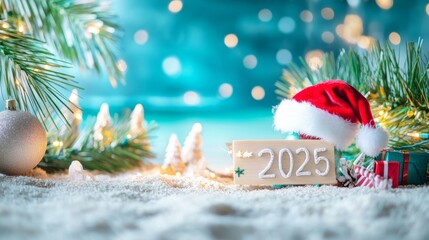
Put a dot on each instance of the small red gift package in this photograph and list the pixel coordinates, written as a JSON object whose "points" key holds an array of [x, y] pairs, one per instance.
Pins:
{"points": [[388, 170]]}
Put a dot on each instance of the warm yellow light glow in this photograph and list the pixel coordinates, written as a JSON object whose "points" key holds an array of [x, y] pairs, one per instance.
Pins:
{"points": [[414, 134], [381, 113], [98, 136], [384, 4], [57, 143], [258, 93], [122, 65], [141, 37], [327, 13], [78, 115], [314, 59], [351, 29], [306, 16], [231, 40], [178, 174], [395, 38], [225, 90], [21, 27], [364, 42], [175, 6], [5, 25], [212, 175], [427, 9]]}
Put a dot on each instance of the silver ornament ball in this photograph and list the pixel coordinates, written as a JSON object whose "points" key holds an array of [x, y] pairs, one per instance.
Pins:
{"points": [[22, 141]]}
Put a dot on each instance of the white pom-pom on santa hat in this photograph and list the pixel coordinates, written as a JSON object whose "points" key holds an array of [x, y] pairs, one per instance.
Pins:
{"points": [[332, 111]]}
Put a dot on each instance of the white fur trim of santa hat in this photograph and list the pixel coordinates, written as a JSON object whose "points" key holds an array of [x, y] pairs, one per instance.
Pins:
{"points": [[371, 140], [303, 117]]}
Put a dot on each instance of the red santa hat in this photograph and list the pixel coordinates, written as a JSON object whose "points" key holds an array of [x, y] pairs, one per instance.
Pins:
{"points": [[332, 111]]}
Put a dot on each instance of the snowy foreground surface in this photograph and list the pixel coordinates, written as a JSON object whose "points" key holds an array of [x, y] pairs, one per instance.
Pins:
{"points": [[135, 206]]}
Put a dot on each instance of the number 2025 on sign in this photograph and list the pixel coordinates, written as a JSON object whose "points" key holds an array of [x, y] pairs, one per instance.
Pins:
{"points": [[266, 162]]}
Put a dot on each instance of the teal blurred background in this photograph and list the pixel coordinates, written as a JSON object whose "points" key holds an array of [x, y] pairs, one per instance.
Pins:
{"points": [[216, 62]]}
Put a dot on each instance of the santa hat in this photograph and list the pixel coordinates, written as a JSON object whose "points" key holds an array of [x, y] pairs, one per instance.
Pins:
{"points": [[332, 111]]}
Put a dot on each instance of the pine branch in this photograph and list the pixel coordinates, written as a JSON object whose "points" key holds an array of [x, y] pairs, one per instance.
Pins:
{"points": [[31, 75], [80, 31], [397, 90], [126, 151]]}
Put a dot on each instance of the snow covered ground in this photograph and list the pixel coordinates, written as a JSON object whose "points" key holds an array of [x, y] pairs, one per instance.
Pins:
{"points": [[152, 206]]}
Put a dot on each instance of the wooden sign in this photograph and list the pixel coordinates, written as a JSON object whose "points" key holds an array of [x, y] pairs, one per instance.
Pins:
{"points": [[267, 162]]}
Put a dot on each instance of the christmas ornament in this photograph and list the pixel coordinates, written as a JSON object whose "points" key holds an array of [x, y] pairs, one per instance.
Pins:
{"points": [[192, 154], [332, 111], [22, 140], [173, 164]]}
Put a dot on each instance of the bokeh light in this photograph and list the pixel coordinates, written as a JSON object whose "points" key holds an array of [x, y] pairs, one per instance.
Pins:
{"points": [[171, 66], [121, 65], [395, 38], [351, 29], [384, 4], [286, 25], [427, 9], [306, 16], [314, 59], [191, 98], [328, 37], [353, 3], [327, 13], [231, 40], [250, 61], [284, 56], [265, 15], [258, 93], [141, 37], [175, 6], [225, 90]]}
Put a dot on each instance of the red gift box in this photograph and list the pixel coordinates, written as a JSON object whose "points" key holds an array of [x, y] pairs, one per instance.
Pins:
{"points": [[388, 170]]}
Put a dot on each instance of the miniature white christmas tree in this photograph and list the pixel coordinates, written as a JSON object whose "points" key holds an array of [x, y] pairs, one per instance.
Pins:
{"points": [[137, 123], [173, 164], [103, 133], [192, 154]]}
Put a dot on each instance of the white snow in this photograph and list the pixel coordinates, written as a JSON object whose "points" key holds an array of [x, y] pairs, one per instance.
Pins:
{"points": [[146, 205]]}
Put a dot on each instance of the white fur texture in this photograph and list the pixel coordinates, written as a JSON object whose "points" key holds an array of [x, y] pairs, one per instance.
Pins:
{"points": [[305, 118], [371, 140]]}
